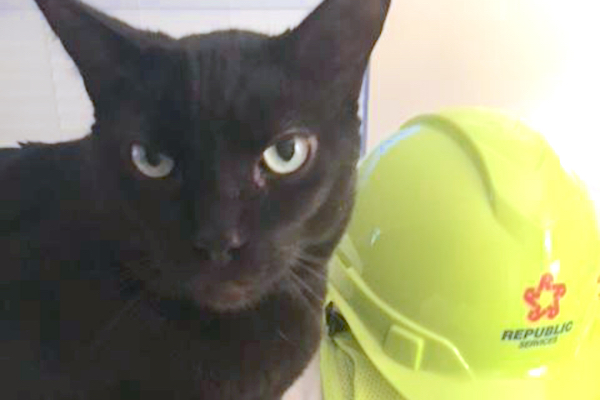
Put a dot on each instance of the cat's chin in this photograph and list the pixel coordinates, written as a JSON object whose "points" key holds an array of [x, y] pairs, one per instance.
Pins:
{"points": [[225, 297]]}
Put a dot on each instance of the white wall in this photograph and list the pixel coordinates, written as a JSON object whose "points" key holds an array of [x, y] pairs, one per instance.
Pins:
{"points": [[537, 58]]}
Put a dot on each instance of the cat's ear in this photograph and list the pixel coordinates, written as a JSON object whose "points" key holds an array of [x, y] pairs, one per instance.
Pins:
{"points": [[334, 43], [106, 51]]}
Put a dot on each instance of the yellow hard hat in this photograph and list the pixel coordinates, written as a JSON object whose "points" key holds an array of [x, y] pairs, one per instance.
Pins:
{"points": [[470, 270]]}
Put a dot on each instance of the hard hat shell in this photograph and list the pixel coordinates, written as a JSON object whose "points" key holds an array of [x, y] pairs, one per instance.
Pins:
{"points": [[471, 266]]}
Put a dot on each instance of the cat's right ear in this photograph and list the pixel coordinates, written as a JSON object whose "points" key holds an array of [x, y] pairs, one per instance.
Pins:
{"points": [[109, 54], [334, 43]]}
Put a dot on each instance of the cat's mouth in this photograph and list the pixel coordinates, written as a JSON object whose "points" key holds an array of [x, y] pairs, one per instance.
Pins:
{"points": [[224, 297]]}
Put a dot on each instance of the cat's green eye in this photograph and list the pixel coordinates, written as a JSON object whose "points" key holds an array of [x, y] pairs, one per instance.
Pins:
{"points": [[289, 155], [153, 166]]}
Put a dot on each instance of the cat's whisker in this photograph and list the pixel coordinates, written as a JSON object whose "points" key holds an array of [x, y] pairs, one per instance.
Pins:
{"points": [[296, 289], [146, 233], [307, 268], [104, 334], [306, 288], [284, 336], [299, 294], [311, 258]]}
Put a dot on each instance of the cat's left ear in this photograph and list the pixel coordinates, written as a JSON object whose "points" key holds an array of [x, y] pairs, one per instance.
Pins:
{"points": [[109, 54], [334, 43]]}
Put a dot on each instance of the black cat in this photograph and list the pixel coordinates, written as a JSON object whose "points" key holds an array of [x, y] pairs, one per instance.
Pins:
{"points": [[179, 250]]}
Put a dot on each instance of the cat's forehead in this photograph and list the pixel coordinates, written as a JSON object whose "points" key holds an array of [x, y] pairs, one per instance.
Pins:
{"points": [[232, 78], [229, 43], [229, 58]]}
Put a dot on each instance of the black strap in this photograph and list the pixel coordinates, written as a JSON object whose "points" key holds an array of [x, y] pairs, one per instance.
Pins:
{"points": [[335, 320]]}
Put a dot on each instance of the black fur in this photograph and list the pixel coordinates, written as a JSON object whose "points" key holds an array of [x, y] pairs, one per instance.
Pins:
{"points": [[106, 291]]}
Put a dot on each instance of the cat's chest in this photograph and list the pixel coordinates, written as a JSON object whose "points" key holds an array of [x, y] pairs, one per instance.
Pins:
{"points": [[129, 346]]}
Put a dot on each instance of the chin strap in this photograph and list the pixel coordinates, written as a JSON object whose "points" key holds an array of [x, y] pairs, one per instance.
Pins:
{"points": [[335, 321]]}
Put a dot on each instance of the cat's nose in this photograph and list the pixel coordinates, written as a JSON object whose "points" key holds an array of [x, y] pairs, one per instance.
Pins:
{"points": [[220, 248]]}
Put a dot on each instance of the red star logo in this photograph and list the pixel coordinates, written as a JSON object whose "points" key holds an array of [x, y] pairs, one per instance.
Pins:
{"points": [[532, 297]]}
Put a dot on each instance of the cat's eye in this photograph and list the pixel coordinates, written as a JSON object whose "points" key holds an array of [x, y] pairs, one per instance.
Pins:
{"points": [[152, 165], [289, 155]]}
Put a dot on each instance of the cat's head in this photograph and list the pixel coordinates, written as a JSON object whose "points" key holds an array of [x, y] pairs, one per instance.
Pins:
{"points": [[230, 157]]}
